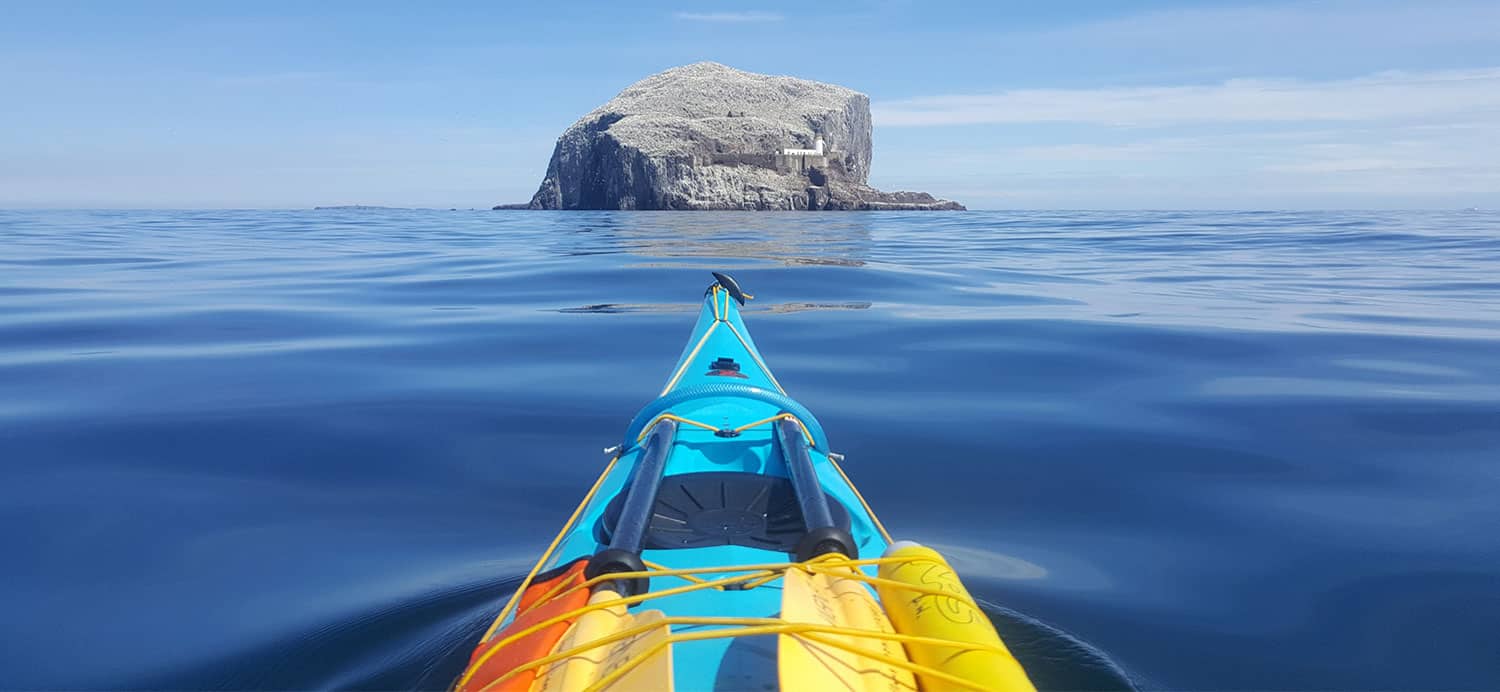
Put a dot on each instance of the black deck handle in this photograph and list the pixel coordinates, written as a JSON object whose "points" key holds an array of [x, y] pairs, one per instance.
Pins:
{"points": [[624, 551], [823, 536]]}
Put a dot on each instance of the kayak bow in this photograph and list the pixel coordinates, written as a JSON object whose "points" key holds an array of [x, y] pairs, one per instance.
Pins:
{"points": [[724, 548]]}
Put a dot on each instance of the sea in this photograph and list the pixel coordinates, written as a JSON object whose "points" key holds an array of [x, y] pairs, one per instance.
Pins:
{"points": [[317, 449]]}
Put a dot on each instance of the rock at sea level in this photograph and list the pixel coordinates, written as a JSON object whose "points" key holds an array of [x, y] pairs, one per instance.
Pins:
{"points": [[707, 136]]}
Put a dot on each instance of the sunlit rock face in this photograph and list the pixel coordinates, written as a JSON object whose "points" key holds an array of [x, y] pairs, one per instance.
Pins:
{"points": [[707, 136]]}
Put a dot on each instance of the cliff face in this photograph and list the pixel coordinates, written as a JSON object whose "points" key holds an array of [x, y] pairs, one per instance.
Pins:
{"points": [[706, 136]]}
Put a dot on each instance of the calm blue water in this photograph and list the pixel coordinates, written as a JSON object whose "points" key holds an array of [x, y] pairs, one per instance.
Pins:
{"points": [[314, 449]]}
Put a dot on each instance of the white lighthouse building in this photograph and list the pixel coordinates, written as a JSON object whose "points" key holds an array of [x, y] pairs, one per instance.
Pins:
{"points": [[817, 149]]}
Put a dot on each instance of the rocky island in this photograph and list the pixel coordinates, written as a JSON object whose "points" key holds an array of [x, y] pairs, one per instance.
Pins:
{"points": [[708, 136]]}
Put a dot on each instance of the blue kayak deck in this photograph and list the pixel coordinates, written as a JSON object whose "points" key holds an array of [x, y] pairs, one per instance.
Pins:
{"points": [[720, 382]]}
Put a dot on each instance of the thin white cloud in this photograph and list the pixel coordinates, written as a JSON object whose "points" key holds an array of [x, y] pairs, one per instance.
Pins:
{"points": [[1089, 153], [1268, 29], [1444, 162], [1382, 96], [729, 17], [1350, 165]]}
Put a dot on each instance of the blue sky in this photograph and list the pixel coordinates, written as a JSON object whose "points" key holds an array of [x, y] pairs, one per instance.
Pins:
{"points": [[1340, 104]]}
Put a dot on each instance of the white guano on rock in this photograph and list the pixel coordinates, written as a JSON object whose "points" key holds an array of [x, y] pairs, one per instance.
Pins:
{"points": [[707, 136]]}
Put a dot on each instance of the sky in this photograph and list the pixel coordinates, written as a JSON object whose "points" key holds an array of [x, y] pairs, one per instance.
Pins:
{"points": [[1155, 104]]}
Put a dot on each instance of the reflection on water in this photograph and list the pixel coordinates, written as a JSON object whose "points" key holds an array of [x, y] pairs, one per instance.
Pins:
{"points": [[776, 238], [975, 561]]}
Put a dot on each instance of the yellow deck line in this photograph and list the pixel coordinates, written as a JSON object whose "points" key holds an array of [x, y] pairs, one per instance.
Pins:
{"points": [[688, 361], [868, 511], [756, 356]]}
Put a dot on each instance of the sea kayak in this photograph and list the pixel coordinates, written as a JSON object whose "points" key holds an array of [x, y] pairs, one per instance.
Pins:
{"points": [[724, 548]]}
